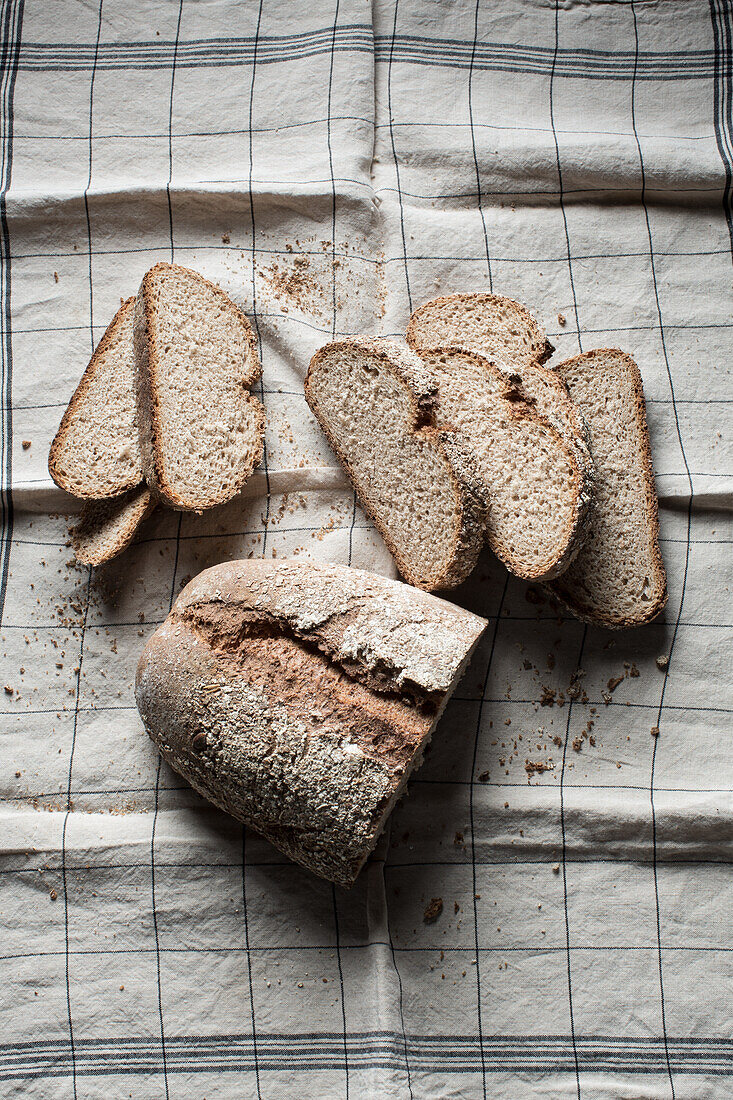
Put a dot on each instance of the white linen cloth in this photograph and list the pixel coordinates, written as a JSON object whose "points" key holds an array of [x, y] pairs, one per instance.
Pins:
{"points": [[333, 165]]}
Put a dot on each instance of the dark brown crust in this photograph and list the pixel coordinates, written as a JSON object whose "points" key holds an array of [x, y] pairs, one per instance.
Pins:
{"points": [[76, 399], [520, 409], [468, 536], [584, 611], [96, 513], [542, 347], [148, 407]]}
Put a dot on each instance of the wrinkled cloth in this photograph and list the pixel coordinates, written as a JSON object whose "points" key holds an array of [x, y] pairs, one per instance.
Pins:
{"points": [[333, 166]]}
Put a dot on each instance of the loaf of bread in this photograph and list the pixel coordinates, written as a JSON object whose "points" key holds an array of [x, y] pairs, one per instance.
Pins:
{"points": [[299, 697]]}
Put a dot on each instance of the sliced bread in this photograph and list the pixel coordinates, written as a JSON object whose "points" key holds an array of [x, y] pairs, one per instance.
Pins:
{"points": [[299, 697], [618, 578], [96, 452], [506, 332], [537, 490], [201, 431], [107, 527], [375, 402]]}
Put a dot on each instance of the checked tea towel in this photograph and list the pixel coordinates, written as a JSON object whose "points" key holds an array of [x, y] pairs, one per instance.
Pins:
{"points": [[333, 165]]}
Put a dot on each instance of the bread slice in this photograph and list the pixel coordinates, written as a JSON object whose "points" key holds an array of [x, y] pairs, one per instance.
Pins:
{"points": [[107, 527], [201, 432], [96, 452], [299, 697], [375, 401], [618, 578], [505, 332], [537, 490]]}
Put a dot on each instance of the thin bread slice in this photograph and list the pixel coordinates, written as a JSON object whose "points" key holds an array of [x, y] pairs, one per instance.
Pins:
{"points": [[505, 332], [201, 431], [375, 401], [107, 527], [96, 452], [618, 579], [538, 492], [300, 697]]}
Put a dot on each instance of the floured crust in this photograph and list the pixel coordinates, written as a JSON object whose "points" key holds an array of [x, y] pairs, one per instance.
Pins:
{"points": [[470, 501], [299, 697], [563, 588], [107, 527], [149, 412], [57, 467], [517, 409]]}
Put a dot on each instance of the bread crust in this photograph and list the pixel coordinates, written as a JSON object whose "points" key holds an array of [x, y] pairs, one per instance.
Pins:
{"points": [[518, 410], [149, 416], [299, 697], [77, 399], [580, 608], [470, 501]]}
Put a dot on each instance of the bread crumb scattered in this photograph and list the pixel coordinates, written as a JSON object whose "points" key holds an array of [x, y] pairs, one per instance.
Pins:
{"points": [[662, 662], [433, 910], [556, 868], [561, 319], [654, 731], [26, 444]]}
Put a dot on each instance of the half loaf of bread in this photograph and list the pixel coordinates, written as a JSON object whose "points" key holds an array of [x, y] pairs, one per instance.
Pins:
{"points": [[375, 401], [201, 431], [299, 697], [618, 577]]}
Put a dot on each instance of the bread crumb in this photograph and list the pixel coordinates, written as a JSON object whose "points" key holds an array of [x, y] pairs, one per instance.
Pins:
{"points": [[654, 731], [433, 910], [53, 895], [225, 238], [614, 682], [556, 868], [26, 444], [561, 319], [483, 777], [662, 662]]}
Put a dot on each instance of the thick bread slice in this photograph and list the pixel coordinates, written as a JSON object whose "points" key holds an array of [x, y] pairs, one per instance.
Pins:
{"points": [[201, 432], [375, 401], [96, 452], [298, 698], [107, 527], [618, 578], [506, 332], [538, 492]]}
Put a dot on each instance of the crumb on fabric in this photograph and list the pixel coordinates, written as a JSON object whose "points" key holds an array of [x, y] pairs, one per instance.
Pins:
{"points": [[433, 910]]}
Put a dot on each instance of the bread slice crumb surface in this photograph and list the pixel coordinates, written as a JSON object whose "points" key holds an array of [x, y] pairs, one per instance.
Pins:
{"points": [[618, 578], [375, 401], [96, 451], [201, 431], [107, 527]]}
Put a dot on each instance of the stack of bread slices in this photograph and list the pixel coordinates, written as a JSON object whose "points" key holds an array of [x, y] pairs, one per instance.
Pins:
{"points": [[464, 435], [163, 412]]}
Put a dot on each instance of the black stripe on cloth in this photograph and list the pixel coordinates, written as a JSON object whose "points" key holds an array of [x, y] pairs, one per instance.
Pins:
{"points": [[530, 1054], [12, 29], [455, 53], [720, 14]]}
